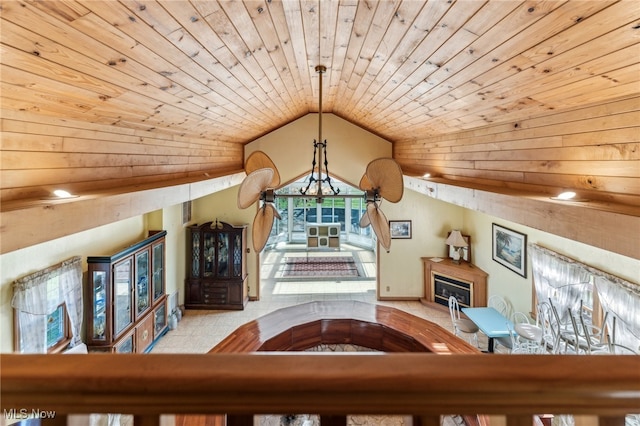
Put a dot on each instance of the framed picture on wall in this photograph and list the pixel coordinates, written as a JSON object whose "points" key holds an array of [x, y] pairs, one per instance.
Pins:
{"points": [[400, 228], [509, 248]]}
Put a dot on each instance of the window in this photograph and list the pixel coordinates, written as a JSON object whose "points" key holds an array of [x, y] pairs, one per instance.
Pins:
{"points": [[298, 211], [58, 336], [48, 308]]}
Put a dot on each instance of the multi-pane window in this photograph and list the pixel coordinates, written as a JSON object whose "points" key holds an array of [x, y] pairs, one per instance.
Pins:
{"points": [[58, 334], [297, 212], [57, 326]]}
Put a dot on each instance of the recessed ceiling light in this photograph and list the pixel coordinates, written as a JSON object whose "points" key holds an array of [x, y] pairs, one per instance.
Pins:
{"points": [[61, 193], [568, 196], [426, 175]]}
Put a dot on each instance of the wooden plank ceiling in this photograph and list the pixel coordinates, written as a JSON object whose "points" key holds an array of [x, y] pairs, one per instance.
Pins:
{"points": [[106, 93]]}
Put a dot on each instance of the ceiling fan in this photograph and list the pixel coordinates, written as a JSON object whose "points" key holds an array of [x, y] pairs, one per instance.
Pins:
{"points": [[382, 180], [260, 184]]}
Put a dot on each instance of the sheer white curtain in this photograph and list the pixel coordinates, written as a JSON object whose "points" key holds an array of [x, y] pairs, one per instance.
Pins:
{"points": [[621, 299], [566, 280], [558, 278], [39, 294]]}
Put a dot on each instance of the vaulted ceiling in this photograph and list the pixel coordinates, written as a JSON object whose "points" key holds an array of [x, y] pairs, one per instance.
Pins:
{"points": [[230, 71], [104, 94]]}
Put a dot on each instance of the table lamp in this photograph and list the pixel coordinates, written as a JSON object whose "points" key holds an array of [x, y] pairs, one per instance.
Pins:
{"points": [[456, 241]]}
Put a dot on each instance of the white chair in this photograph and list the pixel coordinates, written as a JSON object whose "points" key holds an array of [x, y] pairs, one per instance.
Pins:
{"points": [[609, 326], [516, 346], [589, 339], [563, 333], [544, 320], [461, 325], [530, 336], [501, 305]]}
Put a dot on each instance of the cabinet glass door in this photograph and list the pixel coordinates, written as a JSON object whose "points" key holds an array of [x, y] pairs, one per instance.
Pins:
{"points": [[99, 282], [142, 282], [123, 292], [209, 253], [158, 272], [126, 346], [223, 254], [195, 254], [160, 320], [237, 255]]}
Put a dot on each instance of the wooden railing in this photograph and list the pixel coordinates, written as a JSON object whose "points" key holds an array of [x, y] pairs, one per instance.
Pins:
{"points": [[420, 384]]}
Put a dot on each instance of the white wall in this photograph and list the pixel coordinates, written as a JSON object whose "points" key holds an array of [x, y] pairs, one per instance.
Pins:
{"points": [[175, 264], [98, 241], [518, 289], [401, 268], [349, 148]]}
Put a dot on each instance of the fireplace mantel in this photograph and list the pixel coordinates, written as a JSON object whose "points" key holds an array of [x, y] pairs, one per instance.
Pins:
{"points": [[467, 274]]}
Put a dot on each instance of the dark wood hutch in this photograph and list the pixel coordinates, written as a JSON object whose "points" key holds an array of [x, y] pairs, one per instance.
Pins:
{"points": [[216, 266]]}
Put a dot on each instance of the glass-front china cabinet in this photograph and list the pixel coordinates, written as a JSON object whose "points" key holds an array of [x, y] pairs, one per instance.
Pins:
{"points": [[216, 266], [126, 299]]}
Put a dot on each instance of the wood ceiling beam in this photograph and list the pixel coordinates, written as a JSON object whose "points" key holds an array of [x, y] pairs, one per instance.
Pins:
{"points": [[609, 227]]}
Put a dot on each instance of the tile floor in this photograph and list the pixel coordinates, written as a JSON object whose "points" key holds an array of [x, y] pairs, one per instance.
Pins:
{"points": [[200, 330]]}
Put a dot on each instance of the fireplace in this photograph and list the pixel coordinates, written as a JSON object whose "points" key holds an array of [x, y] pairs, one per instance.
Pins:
{"points": [[445, 287], [444, 278]]}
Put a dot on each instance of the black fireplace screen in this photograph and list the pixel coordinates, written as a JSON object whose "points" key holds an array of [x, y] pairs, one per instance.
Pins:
{"points": [[444, 287]]}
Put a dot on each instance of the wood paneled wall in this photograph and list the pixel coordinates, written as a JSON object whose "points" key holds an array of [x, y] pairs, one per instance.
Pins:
{"points": [[593, 150], [42, 153]]}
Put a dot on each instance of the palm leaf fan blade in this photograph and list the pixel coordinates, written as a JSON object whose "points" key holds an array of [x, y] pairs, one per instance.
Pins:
{"points": [[262, 224], [252, 186], [364, 220], [380, 225], [385, 175], [259, 160], [365, 184]]}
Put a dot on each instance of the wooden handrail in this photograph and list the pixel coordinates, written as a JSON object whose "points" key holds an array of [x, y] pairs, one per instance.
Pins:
{"points": [[420, 384], [373, 326]]}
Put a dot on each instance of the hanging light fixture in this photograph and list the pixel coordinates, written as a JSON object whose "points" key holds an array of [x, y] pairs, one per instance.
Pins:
{"points": [[320, 186], [382, 179]]}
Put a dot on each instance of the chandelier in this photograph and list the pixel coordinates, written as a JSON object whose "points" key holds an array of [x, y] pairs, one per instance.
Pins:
{"points": [[319, 186]]}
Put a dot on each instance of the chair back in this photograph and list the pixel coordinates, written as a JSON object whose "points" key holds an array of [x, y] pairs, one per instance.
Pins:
{"points": [[545, 320], [574, 323], [513, 336], [556, 327], [454, 309], [520, 318], [501, 305]]}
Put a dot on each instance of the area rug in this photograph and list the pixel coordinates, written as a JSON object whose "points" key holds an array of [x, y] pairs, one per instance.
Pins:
{"points": [[322, 266]]}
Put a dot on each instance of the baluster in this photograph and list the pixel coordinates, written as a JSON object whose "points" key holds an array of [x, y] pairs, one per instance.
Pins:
{"points": [[239, 419], [520, 420], [146, 420], [426, 420], [611, 421], [326, 420]]}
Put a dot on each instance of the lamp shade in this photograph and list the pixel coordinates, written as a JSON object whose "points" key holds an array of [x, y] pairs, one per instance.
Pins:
{"points": [[455, 239]]}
